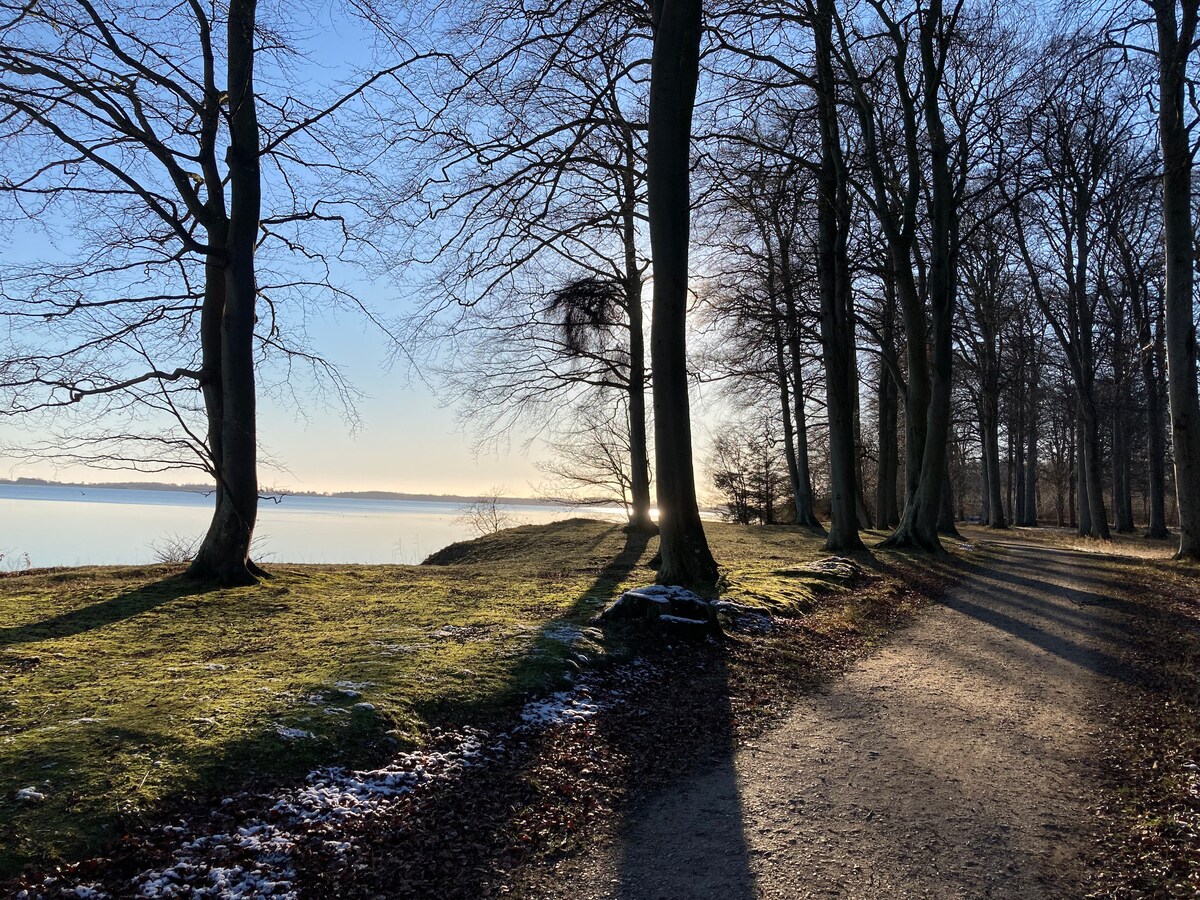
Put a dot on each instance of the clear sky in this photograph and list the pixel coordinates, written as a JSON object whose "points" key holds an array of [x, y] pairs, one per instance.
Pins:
{"points": [[407, 440]]}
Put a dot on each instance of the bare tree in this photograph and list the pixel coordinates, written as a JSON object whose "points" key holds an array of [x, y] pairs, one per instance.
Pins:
{"points": [[591, 461], [531, 229], [140, 125], [686, 557], [1175, 26]]}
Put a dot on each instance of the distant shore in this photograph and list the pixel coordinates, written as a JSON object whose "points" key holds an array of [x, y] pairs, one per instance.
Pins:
{"points": [[339, 495]]}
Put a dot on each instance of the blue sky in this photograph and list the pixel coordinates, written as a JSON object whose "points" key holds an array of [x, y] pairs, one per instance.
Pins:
{"points": [[407, 440]]}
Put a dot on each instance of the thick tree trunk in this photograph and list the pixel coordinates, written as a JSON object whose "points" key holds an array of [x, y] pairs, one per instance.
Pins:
{"points": [[1092, 486], [1174, 46], [837, 319], [686, 558], [225, 551], [918, 525]]}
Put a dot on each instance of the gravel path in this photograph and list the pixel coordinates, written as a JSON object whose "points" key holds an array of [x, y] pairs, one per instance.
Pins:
{"points": [[954, 763]]}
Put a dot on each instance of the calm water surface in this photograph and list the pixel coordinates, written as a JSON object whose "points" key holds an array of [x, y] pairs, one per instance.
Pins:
{"points": [[70, 526]]}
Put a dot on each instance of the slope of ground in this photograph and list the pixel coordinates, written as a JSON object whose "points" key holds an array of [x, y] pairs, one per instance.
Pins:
{"points": [[128, 693]]}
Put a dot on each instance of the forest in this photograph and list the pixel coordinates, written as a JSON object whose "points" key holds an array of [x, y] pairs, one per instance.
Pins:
{"points": [[879, 283]]}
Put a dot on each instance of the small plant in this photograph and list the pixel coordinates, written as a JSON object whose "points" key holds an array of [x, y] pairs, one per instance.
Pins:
{"points": [[15, 562], [487, 515], [175, 548]]}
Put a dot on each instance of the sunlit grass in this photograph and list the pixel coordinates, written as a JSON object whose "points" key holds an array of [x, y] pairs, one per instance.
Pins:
{"points": [[126, 690]]}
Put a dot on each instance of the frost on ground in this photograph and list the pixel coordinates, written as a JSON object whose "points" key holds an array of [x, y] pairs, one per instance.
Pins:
{"points": [[249, 846]]}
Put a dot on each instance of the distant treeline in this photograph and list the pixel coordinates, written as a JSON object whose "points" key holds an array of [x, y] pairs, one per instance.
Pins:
{"points": [[207, 489]]}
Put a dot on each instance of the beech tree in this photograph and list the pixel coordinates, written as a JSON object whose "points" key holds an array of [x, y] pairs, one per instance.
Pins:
{"points": [[116, 117], [1175, 28], [141, 130], [675, 68]]}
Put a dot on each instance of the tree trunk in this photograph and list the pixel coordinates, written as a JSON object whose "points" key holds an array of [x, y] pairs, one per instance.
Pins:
{"points": [[639, 456], [1031, 455], [865, 519], [225, 551], [1157, 449], [887, 513], [837, 320], [918, 525], [805, 507], [985, 481], [1174, 46], [1092, 484], [799, 476], [640, 518], [989, 415], [686, 558], [945, 523], [1122, 491]]}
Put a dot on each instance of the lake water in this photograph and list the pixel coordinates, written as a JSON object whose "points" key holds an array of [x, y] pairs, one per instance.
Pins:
{"points": [[74, 526]]}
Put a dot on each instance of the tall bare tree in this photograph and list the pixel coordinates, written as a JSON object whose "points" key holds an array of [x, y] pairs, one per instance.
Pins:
{"points": [[675, 71]]}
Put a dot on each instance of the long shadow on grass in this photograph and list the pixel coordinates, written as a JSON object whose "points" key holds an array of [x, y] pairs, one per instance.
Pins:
{"points": [[553, 792], [123, 606]]}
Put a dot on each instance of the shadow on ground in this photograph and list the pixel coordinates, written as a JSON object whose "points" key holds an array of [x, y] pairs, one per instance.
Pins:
{"points": [[125, 605]]}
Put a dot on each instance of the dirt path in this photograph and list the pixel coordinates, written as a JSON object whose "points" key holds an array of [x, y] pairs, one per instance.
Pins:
{"points": [[955, 763]]}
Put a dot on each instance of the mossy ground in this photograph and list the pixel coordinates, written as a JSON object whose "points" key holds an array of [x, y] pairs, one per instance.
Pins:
{"points": [[127, 691]]}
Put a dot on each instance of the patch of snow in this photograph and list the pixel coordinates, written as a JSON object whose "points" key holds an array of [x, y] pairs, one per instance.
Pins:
{"points": [[30, 795], [564, 707], [365, 707], [292, 734], [257, 859]]}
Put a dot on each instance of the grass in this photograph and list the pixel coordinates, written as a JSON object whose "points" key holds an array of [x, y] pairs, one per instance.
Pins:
{"points": [[126, 692]]}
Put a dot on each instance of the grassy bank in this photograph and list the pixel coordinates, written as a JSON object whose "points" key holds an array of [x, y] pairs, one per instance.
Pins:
{"points": [[127, 691]]}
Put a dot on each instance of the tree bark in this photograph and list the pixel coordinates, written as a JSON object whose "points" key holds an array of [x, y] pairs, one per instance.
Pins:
{"points": [[1030, 519], [675, 67], [225, 551], [918, 524], [806, 514], [1175, 38], [837, 320], [887, 513], [945, 523], [990, 426], [1157, 449]]}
